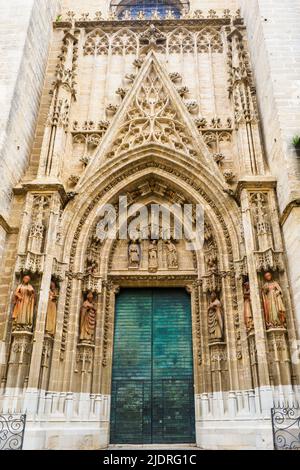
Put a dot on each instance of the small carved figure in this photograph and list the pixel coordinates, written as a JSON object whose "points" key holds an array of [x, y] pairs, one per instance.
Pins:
{"points": [[153, 255], [24, 300], [52, 309], [88, 319], [134, 254], [91, 265], [172, 256], [248, 315], [274, 309], [215, 319]]}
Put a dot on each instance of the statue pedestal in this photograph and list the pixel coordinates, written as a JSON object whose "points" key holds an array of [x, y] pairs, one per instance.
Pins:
{"points": [[279, 357], [84, 366], [46, 361], [219, 366], [19, 358]]}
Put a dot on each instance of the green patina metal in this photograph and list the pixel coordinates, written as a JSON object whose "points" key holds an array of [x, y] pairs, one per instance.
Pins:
{"points": [[152, 379]]}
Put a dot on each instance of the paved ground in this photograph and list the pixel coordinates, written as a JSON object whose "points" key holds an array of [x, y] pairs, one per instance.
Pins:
{"points": [[154, 447]]}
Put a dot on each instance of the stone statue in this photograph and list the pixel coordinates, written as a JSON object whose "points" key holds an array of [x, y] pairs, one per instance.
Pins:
{"points": [[274, 309], [24, 300], [172, 256], [153, 255], [88, 319], [215, 319], [52, 309], [248, 315], [134, 254]]}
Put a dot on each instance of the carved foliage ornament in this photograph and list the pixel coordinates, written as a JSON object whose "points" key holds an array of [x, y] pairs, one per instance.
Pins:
{"points": [[139, 15]]}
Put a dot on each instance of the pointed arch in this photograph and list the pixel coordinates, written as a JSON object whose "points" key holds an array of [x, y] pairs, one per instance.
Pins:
{"points": [[114, 179], [105, 187], [209, 39], [124, 42], [181, 41], [96, 43]]}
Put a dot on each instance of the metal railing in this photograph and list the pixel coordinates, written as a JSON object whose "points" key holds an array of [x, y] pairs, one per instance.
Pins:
{"points": [[12, 427], [286, 427]]}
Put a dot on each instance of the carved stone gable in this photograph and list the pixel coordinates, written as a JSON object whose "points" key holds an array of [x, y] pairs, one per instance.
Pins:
{"points": [[152, 117], [152, 113]]}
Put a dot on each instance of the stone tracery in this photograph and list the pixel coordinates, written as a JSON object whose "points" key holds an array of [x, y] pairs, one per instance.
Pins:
{"points": [[152, 118]]}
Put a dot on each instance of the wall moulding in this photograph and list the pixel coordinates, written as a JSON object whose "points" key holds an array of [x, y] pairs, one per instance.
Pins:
{"points": [[198, 20], [253, 183], [288, 209], [168, 280], [7, 227]]}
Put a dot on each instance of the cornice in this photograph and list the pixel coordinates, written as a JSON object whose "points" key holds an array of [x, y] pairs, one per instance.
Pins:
{"points": [[138, 24], [43, 186], [5, 225], [255, 183], [288, 209]]}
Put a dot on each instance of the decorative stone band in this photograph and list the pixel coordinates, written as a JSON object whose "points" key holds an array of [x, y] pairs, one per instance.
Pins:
{"points": [[186, 17]]}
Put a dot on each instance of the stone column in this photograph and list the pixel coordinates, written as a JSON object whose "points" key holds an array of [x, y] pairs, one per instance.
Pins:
{"points": [[54, 140], [259, 326], [108, 337], [38, 341]]}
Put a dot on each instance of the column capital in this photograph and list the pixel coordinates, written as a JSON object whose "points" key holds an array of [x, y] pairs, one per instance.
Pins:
{"points": [[253, 183]]}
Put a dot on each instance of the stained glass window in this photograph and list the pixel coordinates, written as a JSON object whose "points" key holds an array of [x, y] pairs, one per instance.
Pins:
{"points": [[148, 7]]}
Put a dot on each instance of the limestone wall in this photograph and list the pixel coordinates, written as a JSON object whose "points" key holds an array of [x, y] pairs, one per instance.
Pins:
{"points": [[25, 31], [274, 43]]}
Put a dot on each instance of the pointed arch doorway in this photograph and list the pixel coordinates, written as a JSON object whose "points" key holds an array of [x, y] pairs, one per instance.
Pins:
{"points": [[152, 376]]}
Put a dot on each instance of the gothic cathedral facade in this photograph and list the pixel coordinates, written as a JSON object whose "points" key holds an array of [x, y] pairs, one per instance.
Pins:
{"points": [[156, 102]]}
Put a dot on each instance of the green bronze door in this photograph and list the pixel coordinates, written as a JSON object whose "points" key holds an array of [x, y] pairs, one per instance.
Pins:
{"points": [[152, 377]]}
